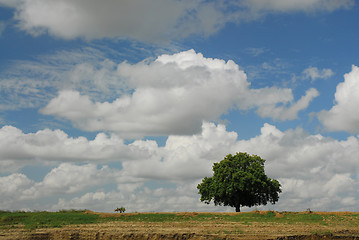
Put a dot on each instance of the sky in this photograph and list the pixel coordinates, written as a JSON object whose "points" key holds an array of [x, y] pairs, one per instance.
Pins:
{"points": [[129, 103]]}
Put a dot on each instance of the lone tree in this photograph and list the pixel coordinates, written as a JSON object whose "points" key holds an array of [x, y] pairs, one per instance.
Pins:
{"points": [[239, 180]]}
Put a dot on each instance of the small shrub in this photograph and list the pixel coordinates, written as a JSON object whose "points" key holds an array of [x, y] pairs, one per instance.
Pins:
{"points": [[121, 210]]}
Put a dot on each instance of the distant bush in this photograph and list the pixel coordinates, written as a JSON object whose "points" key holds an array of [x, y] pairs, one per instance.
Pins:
{"points": [[120, 209]]}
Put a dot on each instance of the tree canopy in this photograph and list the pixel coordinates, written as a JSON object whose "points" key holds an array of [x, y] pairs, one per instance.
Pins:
{"points": [[239, 180]]}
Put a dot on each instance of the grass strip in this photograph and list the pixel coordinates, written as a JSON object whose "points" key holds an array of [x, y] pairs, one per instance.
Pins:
{"points": [[33, 220], [40, 219]]}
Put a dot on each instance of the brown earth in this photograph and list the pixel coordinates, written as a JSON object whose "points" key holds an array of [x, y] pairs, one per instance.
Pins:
{"points": [[215, 229]]}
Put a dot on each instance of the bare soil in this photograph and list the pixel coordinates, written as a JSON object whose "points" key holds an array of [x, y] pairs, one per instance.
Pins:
{"points": [[214, 229]]}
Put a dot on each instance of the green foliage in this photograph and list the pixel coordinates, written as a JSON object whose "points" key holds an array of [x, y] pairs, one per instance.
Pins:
{"points": [[120, 209], [239, 180]]}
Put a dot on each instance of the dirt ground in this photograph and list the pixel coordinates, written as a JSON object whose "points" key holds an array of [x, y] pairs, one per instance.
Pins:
{"points": [[190, 230]]}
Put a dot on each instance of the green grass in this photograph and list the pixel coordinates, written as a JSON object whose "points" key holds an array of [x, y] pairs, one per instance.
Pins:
{"points": [[146, 217], [33, 220]]}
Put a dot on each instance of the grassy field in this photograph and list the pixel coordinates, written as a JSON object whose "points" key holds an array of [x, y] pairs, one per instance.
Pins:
{"points": [[39, 219], [266, 224]]}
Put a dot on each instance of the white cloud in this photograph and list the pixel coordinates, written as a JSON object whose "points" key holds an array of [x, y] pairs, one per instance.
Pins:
{"points": [[173, 95], [265, 6], [56, 146], [315, 172], [12, 187], [12, 190], [311, 168], [314, 73], [66, 179], [185, 157], [156, 20], [287, 113], [182, 198], [296, 149], [10, 3], [18, 149], [343, 116]]}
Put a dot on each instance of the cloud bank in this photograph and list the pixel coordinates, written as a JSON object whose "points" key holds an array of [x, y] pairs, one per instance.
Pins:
{"points": [[315, 171], [152, 21], [149, 21]]}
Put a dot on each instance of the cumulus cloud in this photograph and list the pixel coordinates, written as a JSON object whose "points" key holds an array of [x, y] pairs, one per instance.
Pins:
{"points": [[185, 157], [65, 179], [173, 95], [56, 146], [178, 91], [285, 112], [343, 116], [168, 163], [68, 178], [314, 73], [19, 149], [152, 21], [12, 187], [315, 171]]}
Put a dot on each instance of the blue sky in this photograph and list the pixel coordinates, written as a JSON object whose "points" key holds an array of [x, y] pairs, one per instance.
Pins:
{"points": [[129, 103]]}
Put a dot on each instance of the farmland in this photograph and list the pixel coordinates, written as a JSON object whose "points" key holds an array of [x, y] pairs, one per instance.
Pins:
{"points": [[186, 225]]}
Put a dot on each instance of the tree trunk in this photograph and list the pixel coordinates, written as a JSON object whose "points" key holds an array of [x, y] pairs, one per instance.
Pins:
{"points": [[238, 208]]}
